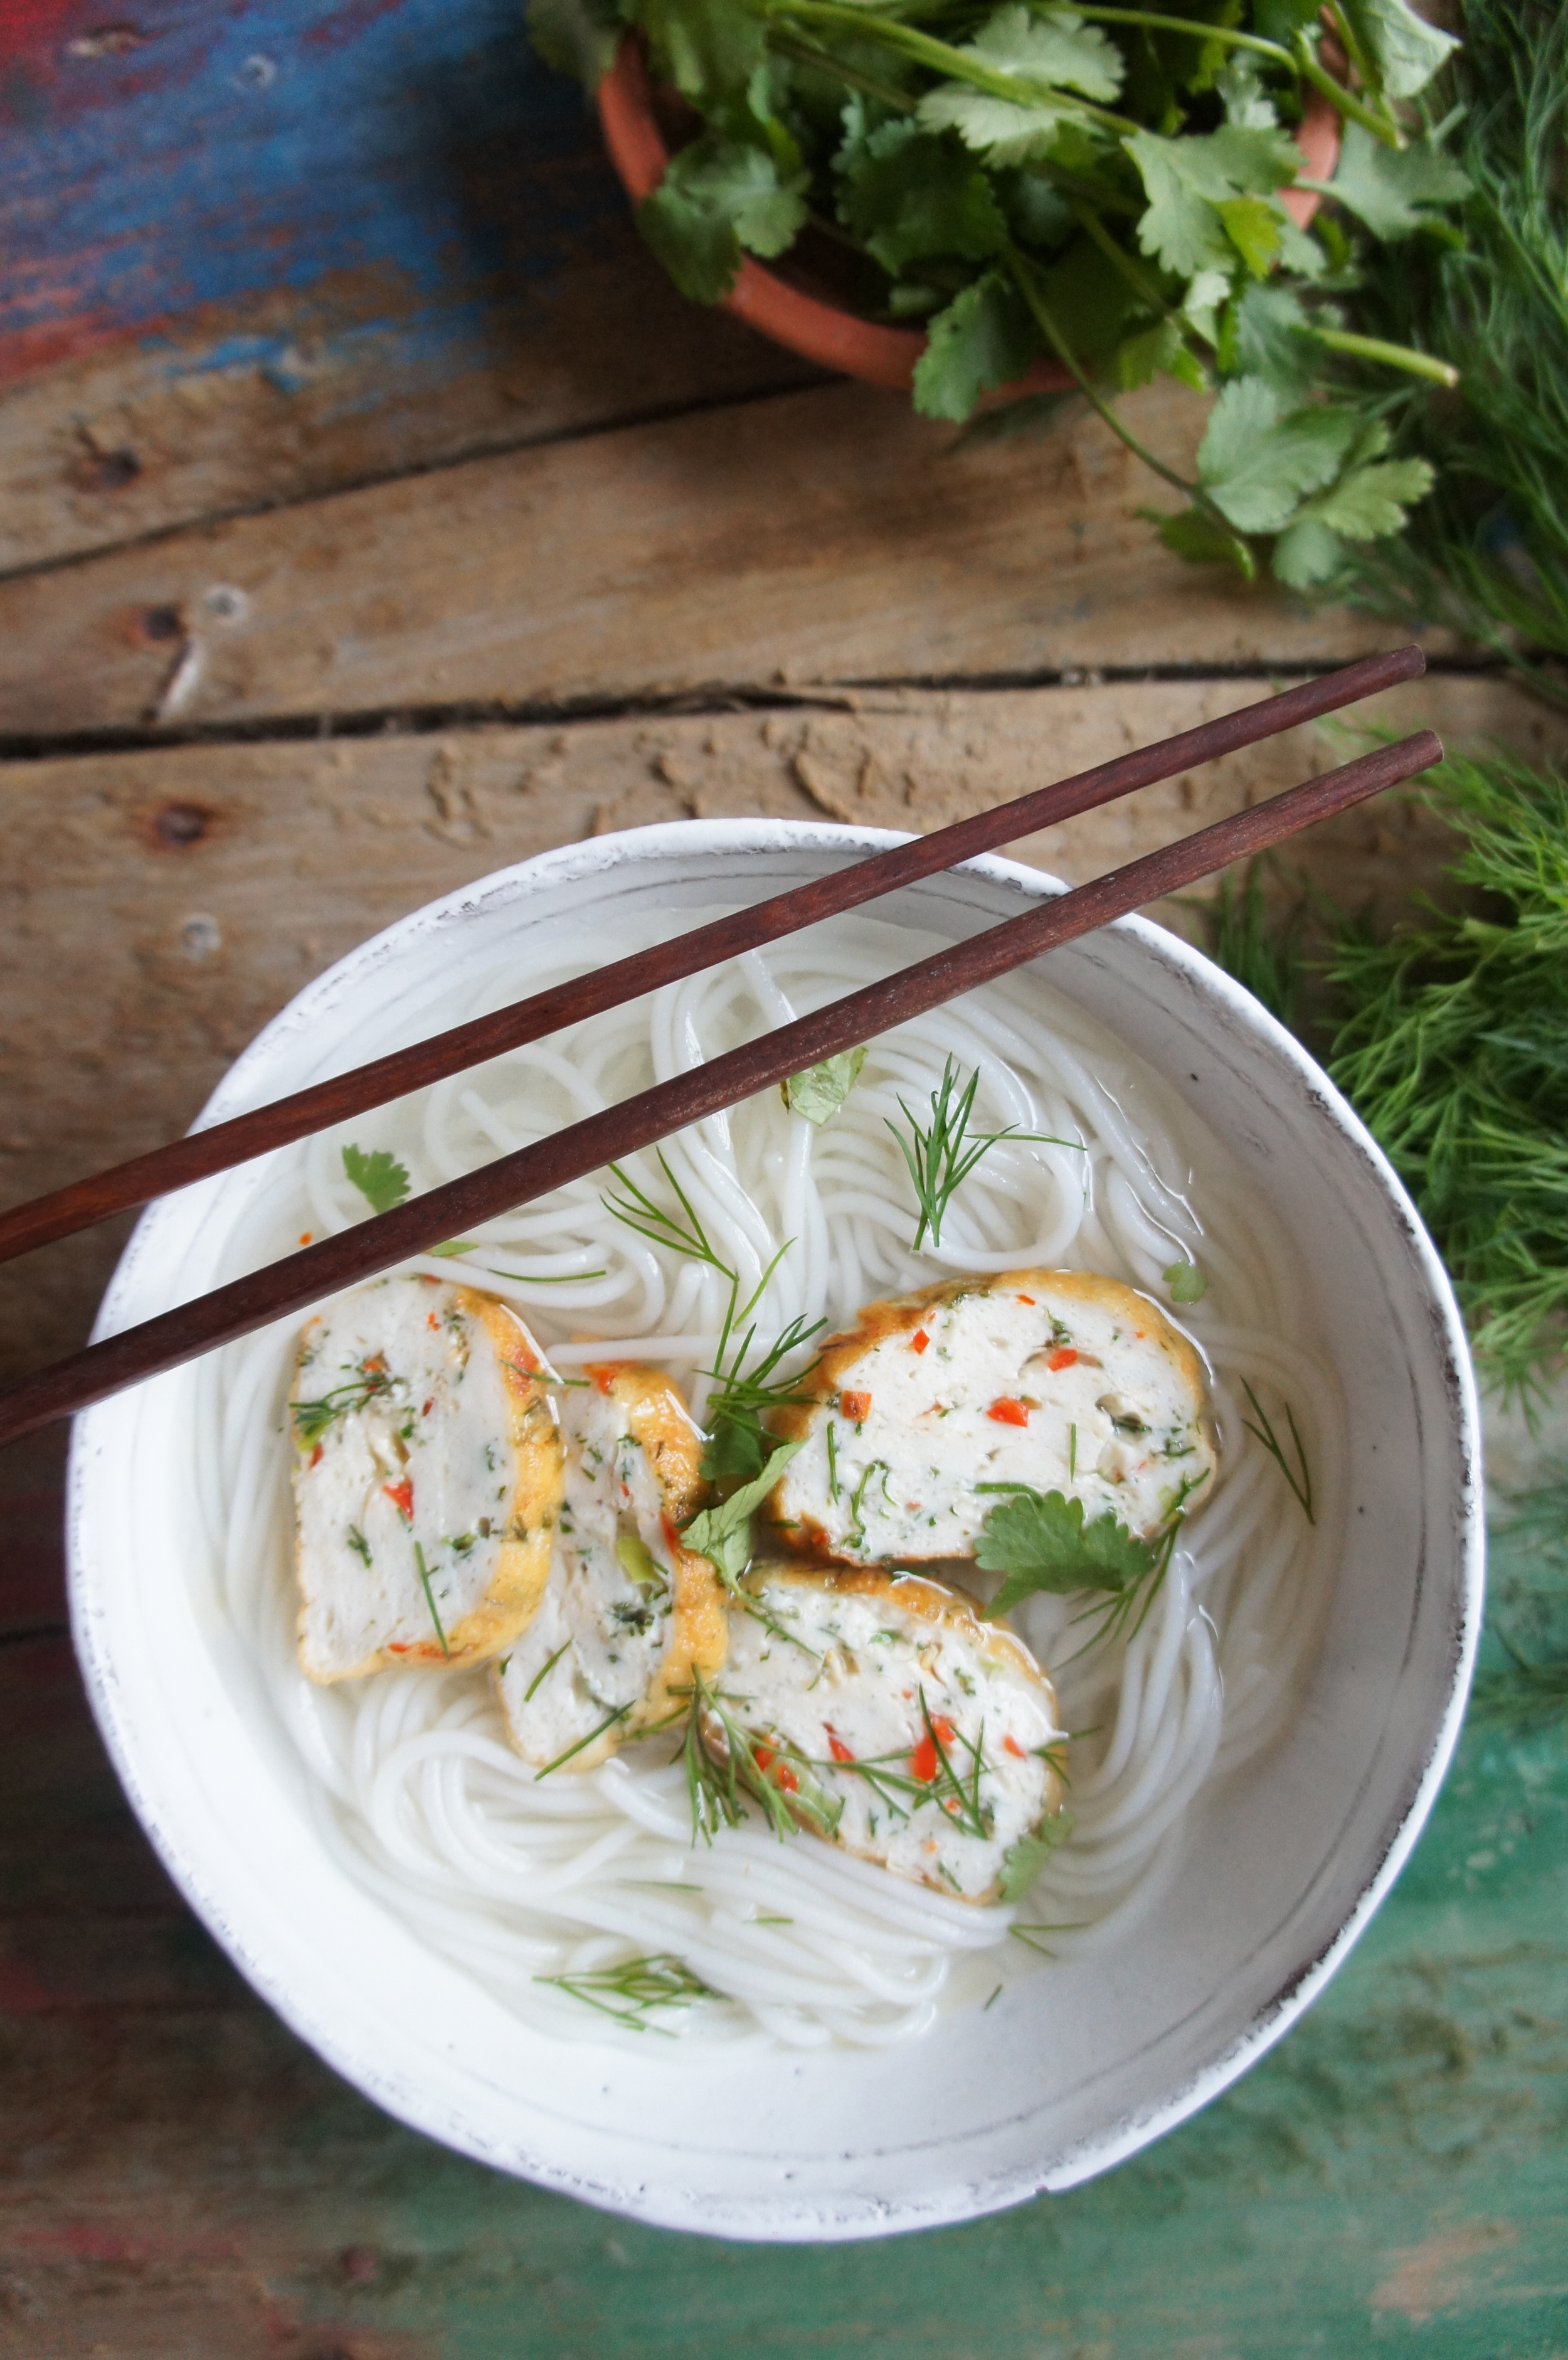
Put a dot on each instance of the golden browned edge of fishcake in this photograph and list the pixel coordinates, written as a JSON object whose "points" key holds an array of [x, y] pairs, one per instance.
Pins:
{"points": [[902, 1314], [699, 1622], [932, 1601], [657, 1417], [522, 1567]]}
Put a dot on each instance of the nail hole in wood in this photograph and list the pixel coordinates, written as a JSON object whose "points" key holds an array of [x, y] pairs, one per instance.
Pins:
{"points": [[108, 471], [177, 825], [162, 623]]}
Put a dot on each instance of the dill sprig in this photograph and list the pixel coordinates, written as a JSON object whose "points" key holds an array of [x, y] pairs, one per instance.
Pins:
{"points": [[720, 1758], [429, 1598], [954, 1789], [1487, 552], [1453, 1046], [1299, 1476], [314, 1419], [939, 1156], [633, 1990], [744, 1390]]}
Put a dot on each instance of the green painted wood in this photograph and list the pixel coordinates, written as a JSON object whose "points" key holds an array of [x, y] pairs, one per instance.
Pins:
{"points": [[179, 2175]]}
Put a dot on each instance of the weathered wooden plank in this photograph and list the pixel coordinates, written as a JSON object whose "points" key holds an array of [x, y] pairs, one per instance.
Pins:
{"points": [[401, 245], [825, 535], [184, 2179], [199, 887], [291, 395]]}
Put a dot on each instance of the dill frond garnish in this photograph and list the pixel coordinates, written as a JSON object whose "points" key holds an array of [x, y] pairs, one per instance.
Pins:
{"points": [[632, 1991], [953, 1786], [939, 1156], [314, 1419], [544, 1672], [726, 1764], [746, 1390], [1299, 1476], [583, 1744], [429, 1598]]}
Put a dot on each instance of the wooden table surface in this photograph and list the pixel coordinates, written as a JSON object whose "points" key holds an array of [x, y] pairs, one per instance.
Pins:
{"points": [[373, 514]]}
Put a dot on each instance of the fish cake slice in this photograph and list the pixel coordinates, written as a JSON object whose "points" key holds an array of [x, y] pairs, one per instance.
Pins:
{"points": [[428, 1473], [1062, 1381], [888, 1720], [628, 1612]]}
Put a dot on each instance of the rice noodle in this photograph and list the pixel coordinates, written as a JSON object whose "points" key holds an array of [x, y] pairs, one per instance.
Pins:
{"points": [[419, 1795]]}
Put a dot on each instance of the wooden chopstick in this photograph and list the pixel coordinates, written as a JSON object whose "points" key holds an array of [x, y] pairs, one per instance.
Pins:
{"points": [[247, 1304], [196, 1157]]}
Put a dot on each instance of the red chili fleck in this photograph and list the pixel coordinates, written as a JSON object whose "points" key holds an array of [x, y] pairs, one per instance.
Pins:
{"points": [[375, 1365], [402, 1497], [1008, 1413], [1029, 1299], [919, 1340], [316, 1454], [399, 1647], [431, 1321], [1062, 1360], [1010, 1746], [783, 1778], [672, 1540], [304, 1237], [838, 1747], [923, 1760], [856, 1408]]}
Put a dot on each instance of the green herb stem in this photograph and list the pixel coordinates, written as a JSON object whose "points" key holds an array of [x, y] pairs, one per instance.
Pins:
{"points": [[1202, 33], [1387, 356], [1018, 89], [430, 1599], [1379, 125]]}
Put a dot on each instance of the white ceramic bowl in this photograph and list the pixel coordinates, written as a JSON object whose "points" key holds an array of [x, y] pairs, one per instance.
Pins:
{"points": [[1074, 2070]]}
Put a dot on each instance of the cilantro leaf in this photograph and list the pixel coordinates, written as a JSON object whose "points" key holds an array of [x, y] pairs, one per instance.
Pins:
{"points": [[576, 36], [1052, 52], [1022, 1861], [1164, 348], [1307, 553], [1187, 179], [910, 195], [1256, 229], [723, 1533], [1187, 1283], [1266, 332], [1054, 45], [1388, 189], [1370, 502], [1256, 466], [710, 47], [1197, 538], [381, 1180], [717, 196], [821, 1091], [983, 340], [1003, 130], [1406, 50], [1041, 1541]]}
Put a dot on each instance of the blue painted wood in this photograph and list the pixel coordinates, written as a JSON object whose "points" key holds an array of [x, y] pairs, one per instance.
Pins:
{"points": [[409, 164]]}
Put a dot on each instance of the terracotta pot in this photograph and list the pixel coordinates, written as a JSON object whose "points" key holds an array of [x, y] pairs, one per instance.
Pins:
{"points": [[819, 332]]}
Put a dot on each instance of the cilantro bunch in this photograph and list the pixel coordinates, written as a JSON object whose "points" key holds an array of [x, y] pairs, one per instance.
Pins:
{"points": [[1102, 186]]}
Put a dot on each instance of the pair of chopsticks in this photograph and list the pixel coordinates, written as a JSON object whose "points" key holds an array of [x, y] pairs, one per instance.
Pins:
{"points": [[378, 1244]]}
